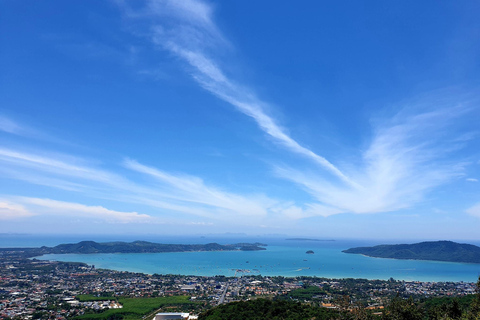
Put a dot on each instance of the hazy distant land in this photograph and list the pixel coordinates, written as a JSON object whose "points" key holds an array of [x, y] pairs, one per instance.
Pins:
{"points": [[307, 239], [431, 250], [88, 247]]}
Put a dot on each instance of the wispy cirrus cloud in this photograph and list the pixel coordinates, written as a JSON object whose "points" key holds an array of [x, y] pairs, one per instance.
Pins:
{"points": [[194, 190], [401, 164], [14, 127], [474, 210], [69, 209], [164, 193], [17, 207], [69, 166], [11, 126], [186, 29], [406, 158], [12, 211]]}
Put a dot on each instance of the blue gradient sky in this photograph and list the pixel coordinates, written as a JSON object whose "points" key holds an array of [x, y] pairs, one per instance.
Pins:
{"points": [[327, 119]]}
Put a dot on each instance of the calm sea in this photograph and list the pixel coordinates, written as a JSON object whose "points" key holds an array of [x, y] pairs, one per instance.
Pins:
{"points": [[282, 258]]}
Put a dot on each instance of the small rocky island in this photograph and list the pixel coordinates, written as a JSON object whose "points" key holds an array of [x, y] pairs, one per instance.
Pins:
{"points": [[431, 250], [310, 252], [88, 247]]}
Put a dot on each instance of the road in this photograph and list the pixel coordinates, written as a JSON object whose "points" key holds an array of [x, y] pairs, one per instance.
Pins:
{"points": [[222, 297]]}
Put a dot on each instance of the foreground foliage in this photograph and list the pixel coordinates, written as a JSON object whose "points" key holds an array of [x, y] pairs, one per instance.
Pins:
{"points": [[261, 309]]}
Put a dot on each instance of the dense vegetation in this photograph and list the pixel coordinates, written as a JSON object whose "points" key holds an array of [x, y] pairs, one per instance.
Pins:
{"points": [[261, 309], [433, 250], [465, 308], [306, 294]]}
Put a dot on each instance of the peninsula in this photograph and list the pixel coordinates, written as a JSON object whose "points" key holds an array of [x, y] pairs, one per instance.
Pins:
{"points": [[88, 247], [431, 250]]}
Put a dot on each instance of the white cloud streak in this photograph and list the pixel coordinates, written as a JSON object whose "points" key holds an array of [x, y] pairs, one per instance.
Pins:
{"points": [[186, 29], [16, 208], [12, 211], [474, 210], [197, 192], [53, 165], [405, 160], [10, 126], [402, 163], [171, 193], [69, 209], [13, 127]]}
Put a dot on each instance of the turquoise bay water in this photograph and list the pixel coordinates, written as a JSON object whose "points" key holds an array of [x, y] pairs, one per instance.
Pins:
{"points": [[282, 258]]}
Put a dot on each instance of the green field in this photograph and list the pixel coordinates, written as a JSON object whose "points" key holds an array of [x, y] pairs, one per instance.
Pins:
{"points": [[135, 308]]}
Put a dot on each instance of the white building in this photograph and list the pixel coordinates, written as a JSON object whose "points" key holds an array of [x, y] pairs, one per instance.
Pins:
{"points": [[172, 315]]}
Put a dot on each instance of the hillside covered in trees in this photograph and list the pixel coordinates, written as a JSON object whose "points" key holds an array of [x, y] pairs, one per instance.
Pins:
{"points": [[432, 250]]}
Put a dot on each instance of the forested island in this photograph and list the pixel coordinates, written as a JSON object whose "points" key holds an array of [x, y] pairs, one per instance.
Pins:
{"points": [[431, 250], [88, 247]]}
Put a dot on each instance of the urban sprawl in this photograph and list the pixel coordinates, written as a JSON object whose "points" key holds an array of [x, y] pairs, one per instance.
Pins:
{"points": [[34, 289]]}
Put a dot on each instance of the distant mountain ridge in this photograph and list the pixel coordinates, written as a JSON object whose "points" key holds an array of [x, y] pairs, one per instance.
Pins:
{"points": [[88, 247], [308, 239], [430, 250]]}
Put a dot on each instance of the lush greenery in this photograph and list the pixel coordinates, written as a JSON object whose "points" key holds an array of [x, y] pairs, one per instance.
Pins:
{"points": [[136, 308], [464, 308], [433, 250], [261, 309], [306, 294]]}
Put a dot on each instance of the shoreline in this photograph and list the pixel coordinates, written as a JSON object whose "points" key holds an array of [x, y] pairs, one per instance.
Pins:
{"points": [[229, 269], [365, 255], [282, 258]]}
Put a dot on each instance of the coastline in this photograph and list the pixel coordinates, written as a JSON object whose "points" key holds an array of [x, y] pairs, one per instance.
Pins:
{"points": [[282, 258], [226, 263], [440, 261]]}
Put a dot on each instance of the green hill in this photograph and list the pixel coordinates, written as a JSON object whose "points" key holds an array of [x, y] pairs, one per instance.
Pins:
{"points": [[87, 247], [430, 250]]}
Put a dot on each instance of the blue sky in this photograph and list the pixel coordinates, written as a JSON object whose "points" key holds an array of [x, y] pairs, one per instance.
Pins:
{"points": [[328, 119]]}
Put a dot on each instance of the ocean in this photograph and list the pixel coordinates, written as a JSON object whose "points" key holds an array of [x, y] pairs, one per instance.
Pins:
{"points": [[282, 258]]}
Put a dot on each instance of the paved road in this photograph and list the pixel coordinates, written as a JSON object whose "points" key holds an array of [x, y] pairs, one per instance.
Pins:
{"points": [[222, 297]]}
